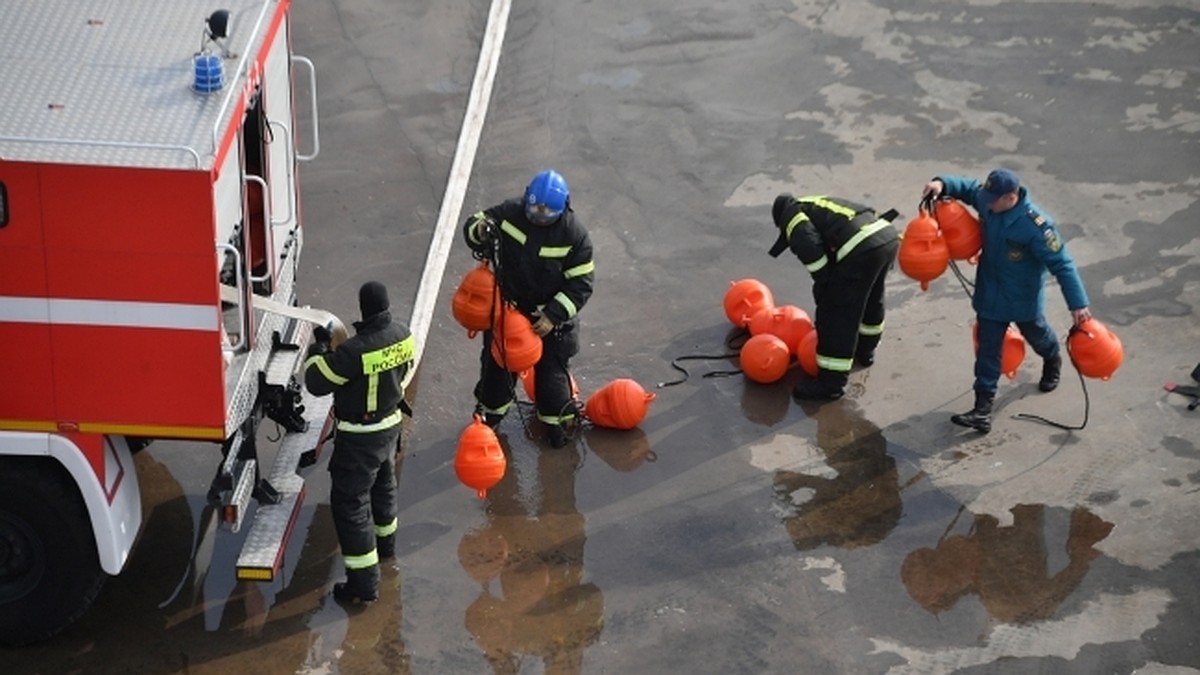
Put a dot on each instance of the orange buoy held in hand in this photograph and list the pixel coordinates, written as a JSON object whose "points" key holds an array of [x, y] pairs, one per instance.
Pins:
{"points": [[480, 461], [923, 252], [1095, 350], [960, 228], [765, 358], [514, 344], [620, 404], [1012, 353], [744, 298], [806, 353], [475, 303]]}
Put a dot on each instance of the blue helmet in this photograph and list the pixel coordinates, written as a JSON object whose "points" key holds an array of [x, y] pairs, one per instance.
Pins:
{"points": [[546, 197]]}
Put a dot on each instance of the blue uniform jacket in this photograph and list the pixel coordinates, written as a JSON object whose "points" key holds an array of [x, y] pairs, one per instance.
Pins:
{"points": [[1019, 246]]}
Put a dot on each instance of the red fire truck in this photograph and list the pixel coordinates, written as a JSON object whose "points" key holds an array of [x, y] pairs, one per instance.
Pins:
{"points": [[149, 237]]}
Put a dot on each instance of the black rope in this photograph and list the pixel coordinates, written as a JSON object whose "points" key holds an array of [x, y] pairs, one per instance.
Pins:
{"points": [[734, 343], [1087, 403]]}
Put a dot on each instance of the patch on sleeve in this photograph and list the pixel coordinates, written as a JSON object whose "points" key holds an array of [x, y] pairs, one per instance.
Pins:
{"points": [[1052, 241]]}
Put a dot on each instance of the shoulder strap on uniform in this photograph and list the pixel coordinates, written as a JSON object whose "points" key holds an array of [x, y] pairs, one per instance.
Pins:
{"points": [[1037, 218]]}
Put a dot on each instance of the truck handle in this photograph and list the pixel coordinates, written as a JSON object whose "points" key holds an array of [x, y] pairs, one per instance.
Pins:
{"points": [[290, 147], [312, 92], [269, 231], [241, 296]]}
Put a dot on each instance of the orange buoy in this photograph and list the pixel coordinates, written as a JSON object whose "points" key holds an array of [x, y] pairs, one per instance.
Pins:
{"points": [[960, 228], [475, 303], [786, 322], [806, 353], [765, 358], [744, 298], [527, 381], [480, 462], [1095, 350], [923, 253], [620, 404], [1012, 353], [514, 344]]}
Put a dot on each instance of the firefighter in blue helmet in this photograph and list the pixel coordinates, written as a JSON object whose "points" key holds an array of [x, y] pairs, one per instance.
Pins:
{"points": [[365, 374], [542, 258], [848, 250], [1020, 243]]}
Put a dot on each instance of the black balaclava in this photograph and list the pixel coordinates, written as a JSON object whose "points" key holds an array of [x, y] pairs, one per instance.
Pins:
{"points": [[372, 299]]}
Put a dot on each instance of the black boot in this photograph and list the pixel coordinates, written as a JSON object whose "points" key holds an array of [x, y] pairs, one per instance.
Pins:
{"points": [[557, 435], [828, 386], [386, 546], [360, 586], [979, 417], [1051, 372]]}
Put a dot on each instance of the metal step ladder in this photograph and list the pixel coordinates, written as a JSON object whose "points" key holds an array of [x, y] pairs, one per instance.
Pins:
{"points": [[262, 553]]}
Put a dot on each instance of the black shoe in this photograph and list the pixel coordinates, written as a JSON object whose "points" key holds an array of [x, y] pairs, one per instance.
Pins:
{"points": [[360, 586], [1051, 372], [815, 390], [386, 547], [978, 418], [557, 435], [865, 360], [491, 419]]}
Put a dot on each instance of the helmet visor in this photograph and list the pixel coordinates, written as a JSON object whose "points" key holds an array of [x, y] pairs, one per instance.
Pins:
{"points": [[541, 214]]}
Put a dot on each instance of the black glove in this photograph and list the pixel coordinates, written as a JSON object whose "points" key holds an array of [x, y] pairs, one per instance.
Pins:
{"points": [[485, 230], [322, 341]]}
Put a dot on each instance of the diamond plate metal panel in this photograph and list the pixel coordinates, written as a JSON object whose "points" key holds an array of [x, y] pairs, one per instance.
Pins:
{"points": [[81, 77]]}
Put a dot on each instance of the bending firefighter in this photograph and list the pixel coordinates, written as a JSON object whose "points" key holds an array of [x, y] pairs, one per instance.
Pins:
{"points": [[848, 250], [365, 376], [543, 263]]}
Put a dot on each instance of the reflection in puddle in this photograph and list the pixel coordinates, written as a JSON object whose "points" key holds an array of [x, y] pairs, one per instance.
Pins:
{"points": [[849, 496], [1007, 567], [858, 505], [528, 559]]}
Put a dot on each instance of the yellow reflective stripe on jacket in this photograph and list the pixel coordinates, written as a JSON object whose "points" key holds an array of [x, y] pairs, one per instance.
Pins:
{"points": [[361, 562], [835, 364], [580, 270], [817, 265], [382, 425], [388, 529], [867, 329], [562, 299], [513, 231], [859, 236], [318, 360], [800, 217], [828, 205], [554, 251], [389, 357]]}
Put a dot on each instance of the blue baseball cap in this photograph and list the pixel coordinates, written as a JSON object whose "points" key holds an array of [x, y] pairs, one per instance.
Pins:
{"points": [[999, 183]]}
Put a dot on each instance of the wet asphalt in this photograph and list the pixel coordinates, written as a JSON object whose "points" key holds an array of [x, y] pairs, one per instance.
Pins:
{"points": [[735, 531]]}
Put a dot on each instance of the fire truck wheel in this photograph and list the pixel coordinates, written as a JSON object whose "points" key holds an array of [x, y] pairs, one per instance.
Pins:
{"points": [[49, 569]]}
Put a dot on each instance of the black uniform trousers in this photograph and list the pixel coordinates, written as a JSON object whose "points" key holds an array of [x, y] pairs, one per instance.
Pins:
{"points": [[552, 378], [363, 490], [850, 295]]}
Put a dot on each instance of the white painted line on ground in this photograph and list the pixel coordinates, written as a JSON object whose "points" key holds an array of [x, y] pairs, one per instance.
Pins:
{"points": [[460, 174]]}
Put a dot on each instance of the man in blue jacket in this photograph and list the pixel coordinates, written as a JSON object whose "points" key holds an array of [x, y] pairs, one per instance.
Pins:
{"points": [[1020, 243]]}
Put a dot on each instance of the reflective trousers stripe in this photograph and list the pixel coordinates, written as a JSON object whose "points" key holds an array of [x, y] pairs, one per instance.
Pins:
{"points": [[388, 529], [361, 562], [835, 364]]}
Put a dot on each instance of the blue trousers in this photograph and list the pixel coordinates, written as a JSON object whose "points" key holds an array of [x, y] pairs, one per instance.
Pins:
{"points": [[1037, 333]]}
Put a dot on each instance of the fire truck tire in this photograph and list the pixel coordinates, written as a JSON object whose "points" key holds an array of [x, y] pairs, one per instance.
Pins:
{"points": [[49, 569]]}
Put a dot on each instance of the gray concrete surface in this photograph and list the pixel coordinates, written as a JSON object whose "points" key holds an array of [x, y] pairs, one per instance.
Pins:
{"points": [[735, 531]]}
